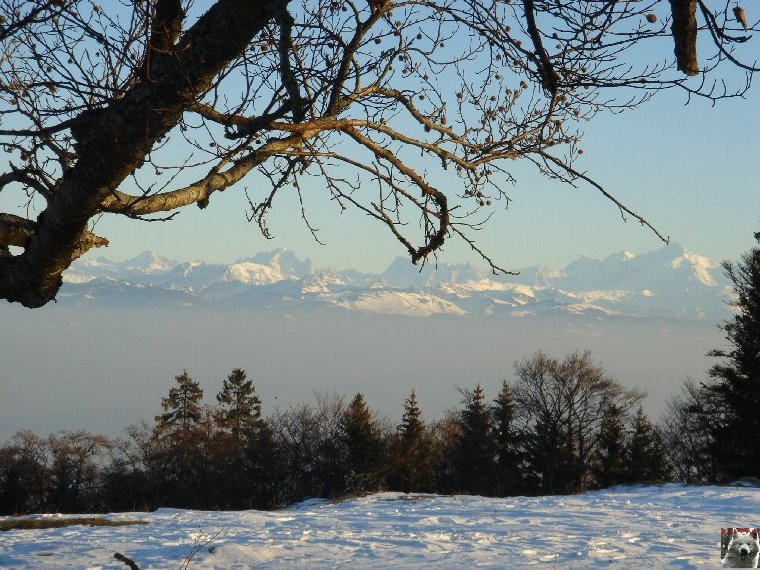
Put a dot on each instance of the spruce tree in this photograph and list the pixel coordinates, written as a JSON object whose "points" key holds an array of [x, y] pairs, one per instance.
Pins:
{"points": [[262, 467], [240, 407], [246, 450], [610, 464], [507, 444], [645, 452], [411, 427], [549, 456], [477, 449], [182, 409], [175, 462], [411, 468], [361, 439], [736, 379]]}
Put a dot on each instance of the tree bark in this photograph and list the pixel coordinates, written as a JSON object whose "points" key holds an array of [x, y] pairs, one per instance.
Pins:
{"points": [[684, 30], [114, 141]]}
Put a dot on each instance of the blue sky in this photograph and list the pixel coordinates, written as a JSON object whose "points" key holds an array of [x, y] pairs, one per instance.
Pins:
{"points": [[690, 169]]}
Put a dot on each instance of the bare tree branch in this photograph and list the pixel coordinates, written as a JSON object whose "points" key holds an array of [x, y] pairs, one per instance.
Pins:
{"points": [[409, 112]]}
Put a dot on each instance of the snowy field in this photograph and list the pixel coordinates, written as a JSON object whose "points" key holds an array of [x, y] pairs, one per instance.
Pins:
{"points": [[653, 526]]}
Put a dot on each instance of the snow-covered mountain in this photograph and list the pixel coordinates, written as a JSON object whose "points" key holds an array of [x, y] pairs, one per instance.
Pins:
{"points": [[669, 282]]}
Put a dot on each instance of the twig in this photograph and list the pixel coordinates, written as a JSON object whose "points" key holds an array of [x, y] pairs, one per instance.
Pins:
{"points": [[128, 561], [198, 547]]}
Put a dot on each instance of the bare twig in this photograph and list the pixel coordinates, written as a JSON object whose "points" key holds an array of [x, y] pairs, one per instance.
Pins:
{"points": [[128, 561]]}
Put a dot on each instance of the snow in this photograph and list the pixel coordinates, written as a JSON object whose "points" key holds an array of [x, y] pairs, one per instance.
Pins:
{"points": [[321, 282], [625, 527], [669, 282], [480, 285], [402, 303], [148, 262], [252, 274], [701, 267], [77, 278], [613, 295]]}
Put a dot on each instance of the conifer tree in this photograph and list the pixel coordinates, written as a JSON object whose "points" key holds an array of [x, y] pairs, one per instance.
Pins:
{"points": [[477, 451], [411, 427], [736, 380], [240, 407], [610, 465], [361, 438], [645, 452], [247, 455], [550, 455], [411, 463], [182, 409], [262, 468], [507, 443], [176, 462]]}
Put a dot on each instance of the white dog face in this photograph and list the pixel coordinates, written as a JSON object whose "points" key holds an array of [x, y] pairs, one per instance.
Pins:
{"points": [[743, 549]]}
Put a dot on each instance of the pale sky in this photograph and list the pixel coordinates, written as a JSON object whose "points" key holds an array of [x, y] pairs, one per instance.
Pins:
{"points": [[690, 169]]}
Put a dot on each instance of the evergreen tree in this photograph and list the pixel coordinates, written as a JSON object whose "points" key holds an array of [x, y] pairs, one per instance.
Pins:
{"points": [[411, 462], [477, 446], [736, 380], [645, 453], [246, 453], [507, 444], [549, 456], [361, 438], [240, 407], [176, 464], [411, 428], [182, 409], [610, 465], [262, 468]]}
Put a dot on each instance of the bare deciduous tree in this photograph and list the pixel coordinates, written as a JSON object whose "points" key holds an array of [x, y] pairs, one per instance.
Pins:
{"points": [[403, 110], [561, 407]]}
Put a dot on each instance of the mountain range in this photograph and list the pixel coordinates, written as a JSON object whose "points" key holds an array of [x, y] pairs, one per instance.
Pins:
{"points": [[670, 282]]}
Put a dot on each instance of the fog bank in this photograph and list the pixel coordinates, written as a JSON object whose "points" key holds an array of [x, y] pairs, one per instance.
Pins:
{"points": [[102, 370]]}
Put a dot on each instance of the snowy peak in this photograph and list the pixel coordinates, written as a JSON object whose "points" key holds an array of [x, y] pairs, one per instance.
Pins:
{"points": [[250, 273], [411, 304], [663, 270], [669, 282], [147, 262], [285, 263]]}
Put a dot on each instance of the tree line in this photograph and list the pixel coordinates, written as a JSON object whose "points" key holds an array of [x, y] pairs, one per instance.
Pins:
{"points": [[561, 426]]}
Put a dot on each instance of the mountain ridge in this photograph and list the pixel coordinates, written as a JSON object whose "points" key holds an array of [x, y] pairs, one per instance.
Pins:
{"points": [[668, 282]]}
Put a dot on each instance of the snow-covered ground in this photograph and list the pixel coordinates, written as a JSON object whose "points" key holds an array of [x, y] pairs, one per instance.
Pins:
{"points": [[652, 526]]}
